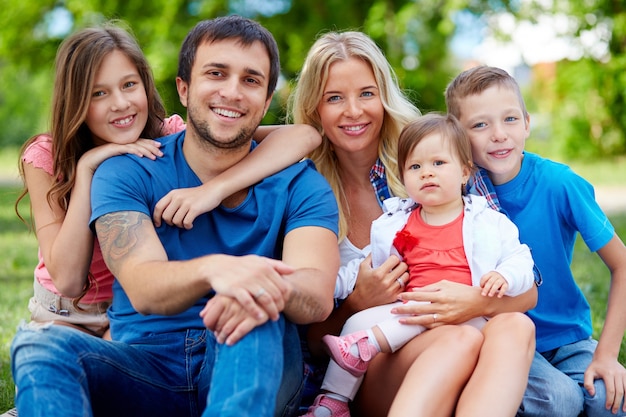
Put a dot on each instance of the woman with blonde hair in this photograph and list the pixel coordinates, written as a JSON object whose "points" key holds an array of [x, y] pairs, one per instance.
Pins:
{"points": [[348, 91]]}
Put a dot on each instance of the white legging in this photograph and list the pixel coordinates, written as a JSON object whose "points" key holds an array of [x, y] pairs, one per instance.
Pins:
{"points": [[342, 382]]}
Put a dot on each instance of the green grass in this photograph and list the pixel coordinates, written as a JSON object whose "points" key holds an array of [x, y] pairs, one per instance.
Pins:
{"points": [[19, 248], [19, 257]]}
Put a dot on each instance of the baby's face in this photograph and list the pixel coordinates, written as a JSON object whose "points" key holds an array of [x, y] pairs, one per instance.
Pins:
{"points": [[497, 128]]}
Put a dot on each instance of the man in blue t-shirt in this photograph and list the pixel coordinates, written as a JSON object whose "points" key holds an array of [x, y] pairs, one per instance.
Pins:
{"points": [[203, 320]]}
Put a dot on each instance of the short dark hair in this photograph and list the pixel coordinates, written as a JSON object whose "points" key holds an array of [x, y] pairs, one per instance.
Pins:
{"points": [[228, 27]]}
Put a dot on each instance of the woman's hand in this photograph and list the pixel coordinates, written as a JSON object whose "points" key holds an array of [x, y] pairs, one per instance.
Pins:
{"points": [[378, 286], [444, 302]]}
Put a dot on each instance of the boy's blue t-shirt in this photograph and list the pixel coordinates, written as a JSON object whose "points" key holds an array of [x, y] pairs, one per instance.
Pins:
{"points": [[295, 197], [550, 204]]}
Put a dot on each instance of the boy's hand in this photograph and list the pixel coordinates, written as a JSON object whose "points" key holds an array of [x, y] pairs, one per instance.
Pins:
{"points": [[181, 207], [614, 375], [492, 283]]}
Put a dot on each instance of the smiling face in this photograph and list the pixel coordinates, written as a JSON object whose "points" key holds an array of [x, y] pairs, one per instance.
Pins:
{"points": [[433, 175], [350, 110], [497, 127], [226, 97], [118, 109]]}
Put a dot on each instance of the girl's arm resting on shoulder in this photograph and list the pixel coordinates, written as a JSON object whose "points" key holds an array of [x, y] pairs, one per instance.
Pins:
{"points": [[65, 240], [605, 362], [456, 303], [281, 147]]}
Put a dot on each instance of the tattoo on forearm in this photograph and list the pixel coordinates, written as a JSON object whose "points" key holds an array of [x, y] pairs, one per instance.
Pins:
{"points": [[117, 234]]}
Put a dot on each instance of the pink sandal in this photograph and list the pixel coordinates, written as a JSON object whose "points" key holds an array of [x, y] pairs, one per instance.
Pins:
{"points": [[339, 349], [337, 408]]}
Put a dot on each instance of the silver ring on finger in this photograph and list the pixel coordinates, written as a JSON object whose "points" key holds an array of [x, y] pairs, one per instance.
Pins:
{"points": [[435, 318], [399, 281], [259, 293]]}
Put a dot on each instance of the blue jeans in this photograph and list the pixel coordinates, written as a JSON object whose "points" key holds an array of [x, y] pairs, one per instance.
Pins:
{"points": [[555, 384], [60, 371]]}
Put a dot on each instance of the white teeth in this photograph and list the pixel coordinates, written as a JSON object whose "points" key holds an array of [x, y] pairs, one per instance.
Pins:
{"points": [[354, 128], [500, 152], [125, 121], [227, 113]]}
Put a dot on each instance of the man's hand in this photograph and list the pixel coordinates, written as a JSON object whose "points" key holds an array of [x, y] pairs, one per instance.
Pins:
{"points": [[228, 320], [255, 282]]}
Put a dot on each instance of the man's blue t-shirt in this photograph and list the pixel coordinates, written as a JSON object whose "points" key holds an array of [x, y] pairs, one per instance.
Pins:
{"points": [[297, 196]]}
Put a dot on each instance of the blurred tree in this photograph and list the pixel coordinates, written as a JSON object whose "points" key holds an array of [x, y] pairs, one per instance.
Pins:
{"points": [[415, 35], [587, 98]]}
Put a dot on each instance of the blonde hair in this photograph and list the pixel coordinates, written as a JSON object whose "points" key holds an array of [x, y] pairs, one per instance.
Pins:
{"points": [[302, 107]]}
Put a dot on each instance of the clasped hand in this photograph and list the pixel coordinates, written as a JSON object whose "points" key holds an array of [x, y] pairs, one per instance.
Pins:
{"points": [[249, 291]]}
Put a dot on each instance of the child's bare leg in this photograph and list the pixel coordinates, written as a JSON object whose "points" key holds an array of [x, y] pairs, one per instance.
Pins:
{"points": [[499, 380], [424, 378]]}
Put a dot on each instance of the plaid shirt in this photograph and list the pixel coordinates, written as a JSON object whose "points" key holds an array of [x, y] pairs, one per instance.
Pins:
{"points": [[480, 184], [378, 178]]}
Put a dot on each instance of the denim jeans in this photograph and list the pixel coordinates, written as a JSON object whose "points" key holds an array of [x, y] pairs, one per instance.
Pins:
{"points": [[60, 371], [555, 384]]}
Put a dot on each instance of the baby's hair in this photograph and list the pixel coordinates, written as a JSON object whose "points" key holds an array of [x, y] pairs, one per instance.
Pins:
{"points": [[476, 80], [447, 126]]}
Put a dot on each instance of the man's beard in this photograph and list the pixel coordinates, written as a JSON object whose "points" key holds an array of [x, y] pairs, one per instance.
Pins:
{"points": [[204, 132]]}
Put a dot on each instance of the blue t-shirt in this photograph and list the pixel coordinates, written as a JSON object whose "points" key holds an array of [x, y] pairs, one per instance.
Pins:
{"points": [[550, 204], [297, 196]]}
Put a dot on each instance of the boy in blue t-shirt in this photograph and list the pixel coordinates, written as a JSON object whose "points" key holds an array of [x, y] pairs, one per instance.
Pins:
{"points": [[571, 372]]}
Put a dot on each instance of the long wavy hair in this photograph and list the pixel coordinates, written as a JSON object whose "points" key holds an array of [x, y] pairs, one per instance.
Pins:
{"points": [[78, 59], [302, 107]]}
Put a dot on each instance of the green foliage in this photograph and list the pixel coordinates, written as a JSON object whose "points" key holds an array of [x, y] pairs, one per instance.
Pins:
{"points": [[587, 101], [414, 35]]}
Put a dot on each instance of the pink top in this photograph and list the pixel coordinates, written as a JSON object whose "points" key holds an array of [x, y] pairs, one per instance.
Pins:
{"points": [[433, 253], [39, 154]]}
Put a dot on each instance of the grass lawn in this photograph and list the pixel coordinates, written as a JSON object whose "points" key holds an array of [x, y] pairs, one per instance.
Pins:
{"points": [[18, 247]]}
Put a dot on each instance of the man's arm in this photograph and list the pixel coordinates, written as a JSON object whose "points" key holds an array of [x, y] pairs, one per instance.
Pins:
{"points": [[314, 253], [154, 285]]}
